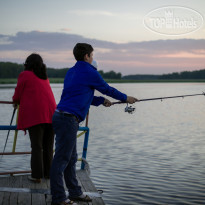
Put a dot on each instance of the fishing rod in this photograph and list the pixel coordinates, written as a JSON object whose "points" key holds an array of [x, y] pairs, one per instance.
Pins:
{"points": [[130, 109], [9, 130]]}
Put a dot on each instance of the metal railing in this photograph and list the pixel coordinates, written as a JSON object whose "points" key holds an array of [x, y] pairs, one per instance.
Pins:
{"points": [[84, 131]]}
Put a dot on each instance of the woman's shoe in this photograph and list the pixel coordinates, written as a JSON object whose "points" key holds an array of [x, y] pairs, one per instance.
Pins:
{"points": [[47, 177], [34, 179]]}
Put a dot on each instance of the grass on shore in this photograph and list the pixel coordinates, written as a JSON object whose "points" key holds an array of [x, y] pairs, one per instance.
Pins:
{"points": [[60, 80], [8, 80]]}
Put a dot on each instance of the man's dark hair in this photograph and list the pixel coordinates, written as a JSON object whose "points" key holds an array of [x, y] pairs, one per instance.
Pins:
{"points": [[34, 63], [81, 49]]}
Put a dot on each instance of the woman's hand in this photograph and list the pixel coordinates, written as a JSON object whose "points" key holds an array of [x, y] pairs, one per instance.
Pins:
{"points": [[15, 106]]}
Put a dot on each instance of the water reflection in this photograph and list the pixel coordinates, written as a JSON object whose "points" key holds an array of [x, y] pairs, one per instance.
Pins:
{"points": [[154, 156]]}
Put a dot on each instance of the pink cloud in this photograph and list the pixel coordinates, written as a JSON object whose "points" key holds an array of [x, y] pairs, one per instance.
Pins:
{"points": [[150, 57]]}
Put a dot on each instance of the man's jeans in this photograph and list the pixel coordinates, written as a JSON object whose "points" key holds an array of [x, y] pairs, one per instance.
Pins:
{"points": [[65, 158]]}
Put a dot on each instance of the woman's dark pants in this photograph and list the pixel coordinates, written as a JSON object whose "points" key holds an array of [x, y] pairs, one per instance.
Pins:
{"points": [[42, 138]]}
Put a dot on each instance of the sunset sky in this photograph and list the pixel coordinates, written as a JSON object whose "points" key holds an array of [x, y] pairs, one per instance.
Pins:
{"points": [[131, 37]]}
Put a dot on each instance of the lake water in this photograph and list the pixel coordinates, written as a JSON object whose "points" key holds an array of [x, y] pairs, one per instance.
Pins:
{"points": [[154, 156]]}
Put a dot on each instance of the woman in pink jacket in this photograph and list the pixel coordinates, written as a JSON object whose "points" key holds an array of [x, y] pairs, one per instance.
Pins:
{"points": [[37, 105]]}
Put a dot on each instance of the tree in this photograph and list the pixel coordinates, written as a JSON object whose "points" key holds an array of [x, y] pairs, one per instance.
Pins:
{"points": [[10, 70], [110, 75]]}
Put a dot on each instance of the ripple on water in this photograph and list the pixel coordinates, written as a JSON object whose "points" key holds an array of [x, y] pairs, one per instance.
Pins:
{"points": [[155, 156]]}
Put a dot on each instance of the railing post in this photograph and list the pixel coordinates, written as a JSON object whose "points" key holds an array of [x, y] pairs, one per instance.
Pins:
{"points": [[85, 147], [16, 131]]}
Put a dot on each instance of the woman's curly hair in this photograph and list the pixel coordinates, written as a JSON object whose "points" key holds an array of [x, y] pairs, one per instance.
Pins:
{"points": [[34, 63]]}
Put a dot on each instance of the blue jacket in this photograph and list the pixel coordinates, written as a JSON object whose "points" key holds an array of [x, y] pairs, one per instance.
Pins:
{"points": [[78, 93]]}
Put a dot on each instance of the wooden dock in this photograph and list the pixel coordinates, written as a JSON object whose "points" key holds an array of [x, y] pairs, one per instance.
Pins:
{"points": [[22, 181]]}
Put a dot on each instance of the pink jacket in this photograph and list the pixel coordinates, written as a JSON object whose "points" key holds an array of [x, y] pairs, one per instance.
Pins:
{"points": [[37, 102]]}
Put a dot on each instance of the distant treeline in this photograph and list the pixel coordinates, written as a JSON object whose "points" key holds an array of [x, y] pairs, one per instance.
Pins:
{"points": [[110, 75], [12, 70], [198, 74]]}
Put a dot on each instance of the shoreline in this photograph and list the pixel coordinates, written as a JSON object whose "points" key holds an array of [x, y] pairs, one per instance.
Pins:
{"points": [[60, 80]]}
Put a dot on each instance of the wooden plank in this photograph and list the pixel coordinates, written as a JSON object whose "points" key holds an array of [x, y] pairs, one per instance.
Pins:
{"points": [[16, 183], [38, 199], [80, 184], [79, 177], [89, 186], [24, 198], [3, 183], [48, 197], [41, 199], [83, 190], [7, 194]]}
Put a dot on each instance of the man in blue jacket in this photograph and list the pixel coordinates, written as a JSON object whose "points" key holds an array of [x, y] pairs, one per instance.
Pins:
{"points": [[78, 94]]}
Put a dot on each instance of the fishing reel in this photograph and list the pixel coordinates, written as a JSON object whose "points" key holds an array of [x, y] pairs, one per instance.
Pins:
{"points": [[129, 109]]}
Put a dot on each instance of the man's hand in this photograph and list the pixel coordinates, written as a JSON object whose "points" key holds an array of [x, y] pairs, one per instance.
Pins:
{"points": [[131, 100], [107, 103]]}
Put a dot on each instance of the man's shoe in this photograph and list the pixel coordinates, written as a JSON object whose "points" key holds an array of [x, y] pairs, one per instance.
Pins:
{"points": [[66, 202], [82, 197], [34, 179]]}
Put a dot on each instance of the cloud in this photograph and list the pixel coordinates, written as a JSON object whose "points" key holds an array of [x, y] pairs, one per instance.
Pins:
{"points": [[92, 13], [119, 15], [161, 56], [66, 29], [40, 40]]}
